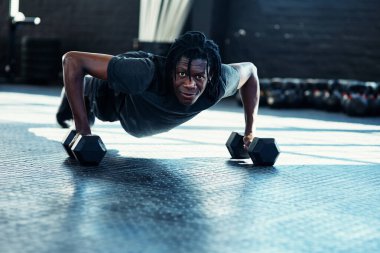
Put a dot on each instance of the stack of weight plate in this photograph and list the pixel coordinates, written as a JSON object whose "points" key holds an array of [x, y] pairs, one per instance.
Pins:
{"points": [[353, 97]]}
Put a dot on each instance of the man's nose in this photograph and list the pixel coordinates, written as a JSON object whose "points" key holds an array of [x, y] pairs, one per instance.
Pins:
{"points": [[189, 82]]}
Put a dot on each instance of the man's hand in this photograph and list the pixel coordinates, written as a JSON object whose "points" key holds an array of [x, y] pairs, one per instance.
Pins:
{"points": [[247, 139]]}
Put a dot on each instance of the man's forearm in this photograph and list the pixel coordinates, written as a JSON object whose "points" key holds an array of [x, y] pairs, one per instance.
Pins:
{"points": [[73, 74], [250, 95]]}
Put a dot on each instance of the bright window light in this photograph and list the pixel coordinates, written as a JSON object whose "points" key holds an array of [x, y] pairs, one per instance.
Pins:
{"points": [[13, 7]]}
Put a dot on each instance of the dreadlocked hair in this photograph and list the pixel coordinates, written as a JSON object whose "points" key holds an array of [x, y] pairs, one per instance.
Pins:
{"points": [[195, 45]]}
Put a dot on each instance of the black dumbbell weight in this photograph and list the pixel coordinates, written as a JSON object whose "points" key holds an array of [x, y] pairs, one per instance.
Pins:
{"points": [[357, 102], [262, 151], [373, 96], [320, 88], [86, 149], [308, 87], [235, 146], [275, 97], [345, 92], [67, 141], [264, 86], [333, 95], [293, 92]]}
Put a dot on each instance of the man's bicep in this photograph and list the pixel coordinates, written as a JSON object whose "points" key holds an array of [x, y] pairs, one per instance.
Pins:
{"points": [[92, 63]]}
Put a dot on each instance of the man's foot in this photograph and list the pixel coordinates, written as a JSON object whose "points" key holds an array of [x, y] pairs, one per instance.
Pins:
{"points": [[90, 113], [64, 113]]}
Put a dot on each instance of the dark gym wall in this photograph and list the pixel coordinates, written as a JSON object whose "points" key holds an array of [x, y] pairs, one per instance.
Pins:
{"points": [[85, 25], [307, 38], [292, 38], [88, 25], [3, 34], [212, 18]]}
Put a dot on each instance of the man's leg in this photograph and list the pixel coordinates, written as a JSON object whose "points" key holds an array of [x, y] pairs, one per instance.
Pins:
{"points": [[64, 113], [100, 101]]}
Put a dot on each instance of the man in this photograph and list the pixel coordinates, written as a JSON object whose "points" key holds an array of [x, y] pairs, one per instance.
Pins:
{"points": [[150, 94]]}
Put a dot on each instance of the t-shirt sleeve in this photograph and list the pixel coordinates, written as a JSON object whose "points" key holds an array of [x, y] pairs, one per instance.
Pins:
{"points": [[129, 74], [230, 80]]}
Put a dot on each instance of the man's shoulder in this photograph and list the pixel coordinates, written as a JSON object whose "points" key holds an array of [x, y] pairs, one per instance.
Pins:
{"points": [[142, 54], [135, 54], [158, 60], [228, 71], [228, 81]]}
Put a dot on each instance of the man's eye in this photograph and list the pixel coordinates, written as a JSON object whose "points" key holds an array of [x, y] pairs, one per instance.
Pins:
{"points": [[200, 77], [181, 74]]}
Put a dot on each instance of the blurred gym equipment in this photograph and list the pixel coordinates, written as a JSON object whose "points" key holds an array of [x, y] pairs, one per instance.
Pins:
{"points": [[16, 18]]}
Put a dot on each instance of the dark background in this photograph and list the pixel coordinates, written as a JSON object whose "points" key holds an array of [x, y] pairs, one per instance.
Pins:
{"points": [[284, 38]]}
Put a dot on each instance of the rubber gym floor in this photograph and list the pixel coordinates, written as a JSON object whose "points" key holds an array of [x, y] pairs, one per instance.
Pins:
{"points": [[180, 191]]}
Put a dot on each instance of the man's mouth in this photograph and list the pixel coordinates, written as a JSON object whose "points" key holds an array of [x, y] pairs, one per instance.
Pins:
{"points": [[188, 95]]}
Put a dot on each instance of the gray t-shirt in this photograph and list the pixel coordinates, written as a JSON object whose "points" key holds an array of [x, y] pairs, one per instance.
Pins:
{"points": [[147, 109]]}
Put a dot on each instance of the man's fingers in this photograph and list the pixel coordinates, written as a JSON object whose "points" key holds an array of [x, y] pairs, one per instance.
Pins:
{"points": [[247, 139], [246, 145]]}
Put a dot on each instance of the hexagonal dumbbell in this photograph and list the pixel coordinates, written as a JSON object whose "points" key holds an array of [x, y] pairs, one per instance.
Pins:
{"points": [[87, 149], [262, 151], [235, 146], [67, 141]]}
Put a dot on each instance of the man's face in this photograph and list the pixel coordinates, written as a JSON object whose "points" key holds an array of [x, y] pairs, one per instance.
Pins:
{"points": [[189, 88]]}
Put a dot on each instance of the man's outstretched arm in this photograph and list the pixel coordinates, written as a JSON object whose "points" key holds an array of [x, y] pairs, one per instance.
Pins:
{"points": [[250, 95], [75, 66]]}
